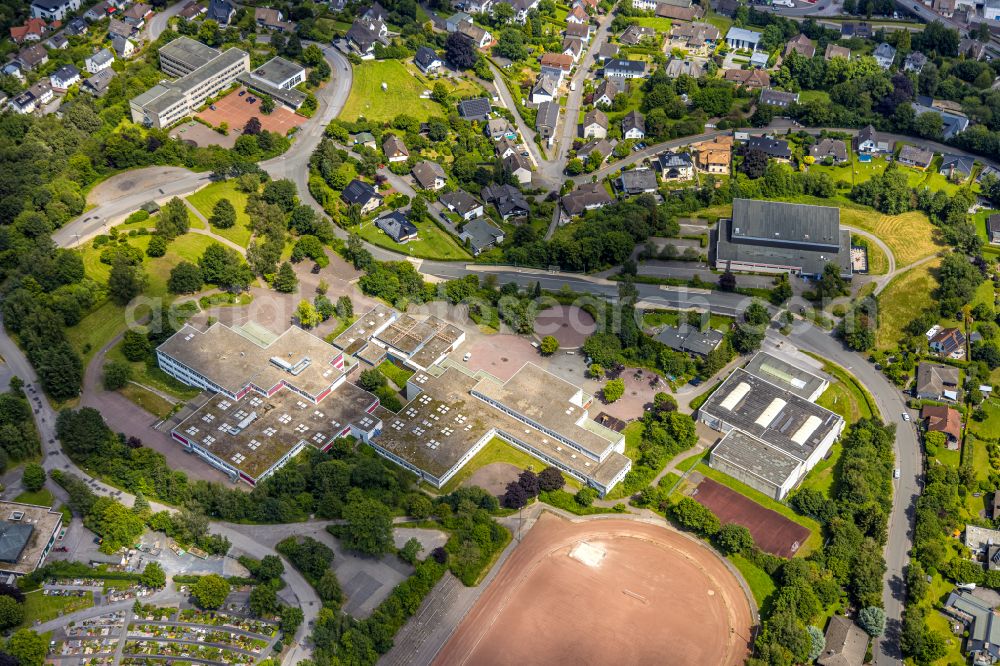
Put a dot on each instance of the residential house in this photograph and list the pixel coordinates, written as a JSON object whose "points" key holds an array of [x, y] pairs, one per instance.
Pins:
{"points": [[519, 167], [693, 68], [625, 69], [972, 49], [634, 34], [480, 235], [572, 48], [941, 418], [832, 149], [508, 200], [118, 28], [272, 19], [638, 181], [726, 7], [505, 147], [602, 147], [366, 139], [578, 15], [993, 227], [578, 31], [396, 226], [918, 158], [123, 47], [479, 36], [674, 13], [850, 29], [742, 39], [987, 171], [953, 121], [634, 125], [521, 8], [64, 77], [478, 6], [936, 382], [546, 119], [53, 10], [221, 11], [699, 38], [462, 204], [589, 196], [748, 78], [802, 45], [363, 194], [595, 124], [98, 83], [690, 339], [13, 68], [759, 60], [475, 109], [364, 34], [644, 5], [192, 10], [544, 90], [778, 98], [869, 141], [714, 156], [57, 42], [605, 93], [846, 643], [948, 342], [980, 621], [775, 149], [429, 175], [554, 73], [32, 57], [607, 51], [674, 166], [99, 11], [76, 27], [945, 8], [135, 15], [42, 90], [31, 31], [884, 55], [394, 149], [957, 167], [834, 51], [914, 62], [557, 60], [499, 128], [991, 10], [455, 20], [24, 103]]}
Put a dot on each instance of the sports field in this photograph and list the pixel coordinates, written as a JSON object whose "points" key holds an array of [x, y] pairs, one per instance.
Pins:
{"points": [[606, 592]]}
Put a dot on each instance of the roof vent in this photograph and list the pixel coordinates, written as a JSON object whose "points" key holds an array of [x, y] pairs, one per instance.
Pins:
{"points": [[17, 515]]}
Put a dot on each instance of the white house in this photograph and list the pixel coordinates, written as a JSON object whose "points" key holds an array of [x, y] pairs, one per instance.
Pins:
{"points": [[884, 55], [53, 10], [740, 38], [64, 77], [634, 125], [97, 62]]}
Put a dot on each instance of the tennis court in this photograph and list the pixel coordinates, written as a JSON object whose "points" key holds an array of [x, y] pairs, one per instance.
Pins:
{"points": [[236, 111]]}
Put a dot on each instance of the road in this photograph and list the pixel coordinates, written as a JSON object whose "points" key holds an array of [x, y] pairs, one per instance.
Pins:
{"points": [[907, 488]]}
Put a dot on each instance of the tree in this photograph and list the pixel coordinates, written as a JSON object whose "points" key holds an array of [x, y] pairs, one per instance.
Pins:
{"points": [[410, 551], [252, 127], [460, 52], [369, 527], [307, 315], [831, 284], [328, 588], [733, 539], [371, 380], [27, 647], [872, 620], [691, 515], [153, 576], [585, 496], [11, 613], [727, 281], [291, 618], [613, 390], [754, 163], [551, 479], [173, 220], [157, 246], [125, 282], [285, 281], [263, 600], [529, 481], [210, 591], [515, 496], [223, 214], [345, 308], [269, 568], [266, 104], [116, 375], [185, 278], [281, 193], [817, 642], [549, 345]]}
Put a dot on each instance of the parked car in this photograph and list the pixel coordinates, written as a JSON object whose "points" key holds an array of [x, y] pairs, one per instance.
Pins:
{"points": [[212, 107], [906, 416], [467, 356], [316, 269], [243, 92], [895, 473]]}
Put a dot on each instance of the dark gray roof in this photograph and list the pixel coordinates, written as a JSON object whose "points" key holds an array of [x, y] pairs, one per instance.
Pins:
{"points": [[959, 163], [359, 192], [669, 160], [755, 457], [481, 234], [829, 148], [773, 97], [620, 65], [915, 155], [474, 109], [220, 10], [770, 147], [14, 536], [459, 201], [846, 643], [590, 195], [507, 198], [548, 115], [934, 379], [784, 375], [425, 56], [602, 146], [425, 172], [634, 120], [49, 5], [98, 83], [690, 339], [66, 72], [638, 181], [396, 225]]}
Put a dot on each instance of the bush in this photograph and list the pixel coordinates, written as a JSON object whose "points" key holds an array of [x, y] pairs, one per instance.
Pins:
{"points": [[585, 496], [157, 246], [116, 375], [33, 477]]}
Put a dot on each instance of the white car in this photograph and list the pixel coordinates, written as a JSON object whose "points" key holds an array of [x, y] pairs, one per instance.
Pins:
{"points": [[906, 416], [895, 473], [467, 356]]}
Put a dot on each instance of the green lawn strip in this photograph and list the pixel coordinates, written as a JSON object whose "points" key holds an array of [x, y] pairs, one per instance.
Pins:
{"points": [[863, 399], [432, 242], [760, 583], [673, 318], [39, 607], [815, 537], [499, 451], [205, 199], [397, 375], [148, 400], [980, 220], [153, 377], [657, 23], [402, 93], [700, 399], [633, 437], [565, 501], [96, 329], [820, 477], [906, 296], [689, 462], [41, 497]]}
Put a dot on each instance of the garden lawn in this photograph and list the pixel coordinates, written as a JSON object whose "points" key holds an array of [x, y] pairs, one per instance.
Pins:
{"points": [[861, 403], [657, 23], [990, 427], [151, 402], [820, 477], [152, 376], [901, 301], [878, 262], [402, 95], [42, 608], [42, 497], [432, 242], [761, 584], [205, 199], [811, 95], [497, 450], [980, 221]]}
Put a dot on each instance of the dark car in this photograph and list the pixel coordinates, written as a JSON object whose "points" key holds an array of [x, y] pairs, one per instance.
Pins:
{"points": [[251, 99], [243, 92], [316, 269]]}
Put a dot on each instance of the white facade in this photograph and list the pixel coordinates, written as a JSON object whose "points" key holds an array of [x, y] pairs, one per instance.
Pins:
{"points": [[54, 10]]}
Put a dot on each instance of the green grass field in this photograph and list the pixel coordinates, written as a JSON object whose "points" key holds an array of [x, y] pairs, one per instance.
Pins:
{"points": [[42, 608], [655, 22], [151, 402], [153, 376], [761, 585], [397, 375], [673, 318], [42, 497], [402, 95], [499, 451], [905, 297], [990, 427], [432, 242], [205, 199]]}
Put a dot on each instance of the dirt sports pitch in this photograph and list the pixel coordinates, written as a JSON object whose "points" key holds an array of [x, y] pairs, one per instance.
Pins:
{"points": [[606, 592], [771, 531]]}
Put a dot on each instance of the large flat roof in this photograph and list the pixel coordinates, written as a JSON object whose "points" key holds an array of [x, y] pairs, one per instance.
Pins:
{"points": [[356, 336], [25, 532], [808, 261], [441, 425], [211, 68], [781, 418], [749, 453], [159, 97], [232, 358], [189, 52], [277, 70], [254, 433], [784, 375], [411, 336], [786, 224]]}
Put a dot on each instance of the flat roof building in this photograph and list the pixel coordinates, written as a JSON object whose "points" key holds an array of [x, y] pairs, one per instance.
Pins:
{"points": [[278, 77], [773, 435], [184, 55], [787, 376], [27, 534], [774, 237]]}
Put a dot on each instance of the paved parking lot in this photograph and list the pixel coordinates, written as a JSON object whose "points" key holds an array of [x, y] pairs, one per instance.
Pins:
{"points": [[203, 136]]}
